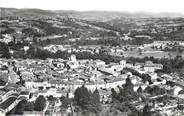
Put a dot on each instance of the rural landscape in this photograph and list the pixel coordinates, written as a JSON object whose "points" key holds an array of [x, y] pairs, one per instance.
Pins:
{"points": [[91, 63]]}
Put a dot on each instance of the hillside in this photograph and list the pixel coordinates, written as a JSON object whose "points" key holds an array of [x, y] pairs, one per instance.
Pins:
{"points": [[86, 15]]}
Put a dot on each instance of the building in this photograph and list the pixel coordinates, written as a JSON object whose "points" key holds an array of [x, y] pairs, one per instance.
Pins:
{"points": [[151, 67], [73, 63], [99, 63]]}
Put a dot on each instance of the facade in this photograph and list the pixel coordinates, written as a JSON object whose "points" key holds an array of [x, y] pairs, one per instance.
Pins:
{"points": [[150, 67]]}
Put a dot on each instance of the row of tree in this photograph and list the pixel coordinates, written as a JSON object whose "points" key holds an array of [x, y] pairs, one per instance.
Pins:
{"points": [[24, 105], [169, 65], [43, 54]]}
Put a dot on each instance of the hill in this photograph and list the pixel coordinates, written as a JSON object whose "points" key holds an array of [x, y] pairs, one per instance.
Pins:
{"points": [[86, 15]]}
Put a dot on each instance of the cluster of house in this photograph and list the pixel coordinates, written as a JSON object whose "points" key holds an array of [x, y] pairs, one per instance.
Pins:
{"points": [[15, 38], [156, 49], [116, 50], [10, 95], [54, 48], [58, 77], [163, 44]]}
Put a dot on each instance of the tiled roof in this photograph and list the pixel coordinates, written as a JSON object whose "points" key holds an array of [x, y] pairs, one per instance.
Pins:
{"points": [[7, 103]]}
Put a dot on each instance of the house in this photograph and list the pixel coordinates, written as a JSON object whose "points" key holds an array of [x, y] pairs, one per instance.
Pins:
{"points": [[139, 65], [115, 83], [7, 38], [151, 67], [73, 58], [36, 84], [4, 94], [112, 68], [99, 63], [26, 48], [24, 94], [57, 84], [58, 64], [73, 63], [108, 71], [27, 75], [52, 91], [153, 75], [8, 105], [177, 89]]}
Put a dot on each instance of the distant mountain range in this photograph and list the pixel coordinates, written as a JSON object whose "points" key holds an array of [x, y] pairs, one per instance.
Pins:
{"points": [[87, 15]]}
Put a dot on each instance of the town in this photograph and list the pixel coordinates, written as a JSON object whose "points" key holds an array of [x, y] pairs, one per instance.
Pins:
{"points": [[29, 79], [54, 65]]}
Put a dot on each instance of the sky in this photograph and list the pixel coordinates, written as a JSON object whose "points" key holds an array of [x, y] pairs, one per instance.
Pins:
{"points": [[154, 6]]}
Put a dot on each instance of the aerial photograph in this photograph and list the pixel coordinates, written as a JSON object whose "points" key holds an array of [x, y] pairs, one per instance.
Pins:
{"points": [[91, 58]]}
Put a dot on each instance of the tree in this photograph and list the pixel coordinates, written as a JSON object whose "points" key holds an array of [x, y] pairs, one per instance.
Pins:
{"points": [[40, 88], [20, 107], [126, 93], [95, 102], [128, 85], [30, 95], [4, 50], [114, 94], [8, 31], [86, 100], [155, 90], [140, 51], [81, 96], [29, 106], [51, 98], [146, 110], [146, 77], [40, 103], [139, 90], [65, 102]]}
